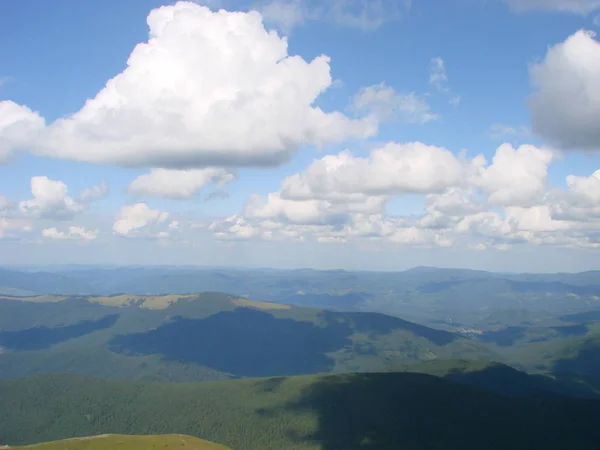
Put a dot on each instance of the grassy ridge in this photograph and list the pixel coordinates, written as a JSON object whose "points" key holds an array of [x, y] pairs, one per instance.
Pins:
{"points": [[405, 411], [123, 442]]}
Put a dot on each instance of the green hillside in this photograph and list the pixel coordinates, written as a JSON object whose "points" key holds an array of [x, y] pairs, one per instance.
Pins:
{"points": [[208, 336], [405, 411], [575, 349], [123, 442], [580, 356]]}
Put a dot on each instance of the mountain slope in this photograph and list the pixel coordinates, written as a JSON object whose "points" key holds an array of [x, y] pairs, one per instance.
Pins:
{"points": [[405, 411], [208, 336]]}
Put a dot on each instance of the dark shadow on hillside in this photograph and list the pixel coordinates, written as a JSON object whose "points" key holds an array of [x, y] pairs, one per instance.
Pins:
{"points": [[583, 359], [43, 337], [571, 330], [415, 411], [582, 317], [378, 324], [505, 380], [243, 342]]}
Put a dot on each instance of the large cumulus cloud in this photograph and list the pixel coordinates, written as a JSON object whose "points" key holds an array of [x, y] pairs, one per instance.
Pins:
{"points": [[207, 89]]}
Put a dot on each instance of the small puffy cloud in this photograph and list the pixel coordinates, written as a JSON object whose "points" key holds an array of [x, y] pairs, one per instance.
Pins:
{"points": [[366, 14], [437, 74], [179, 184], [51, 199], [502, 132], [17, 125], [571, 6], [362, 14], [566, 106], [383, 103], [207, 89], [438, 79], [131, 219], [287, 15], [597, 20], [73, 233]]}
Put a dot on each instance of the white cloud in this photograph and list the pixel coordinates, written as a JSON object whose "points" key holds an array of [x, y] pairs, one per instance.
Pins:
{"points": [[311, 211], [179, 183], [234, 228], [73, 233], [132, 219], [51, 199], [516, 176], [207, 89], [391, 169], [94, 193], [581, 202], [597, 20], [361, 14], [17, 125], [572, 6], [566, 106], [587, 189], [467, 202], [383, 103], [13, 228]]}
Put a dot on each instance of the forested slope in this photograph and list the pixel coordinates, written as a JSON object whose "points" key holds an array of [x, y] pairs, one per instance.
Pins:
{"points": [[343, 412]]}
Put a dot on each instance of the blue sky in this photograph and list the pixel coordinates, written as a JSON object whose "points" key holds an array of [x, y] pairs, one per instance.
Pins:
{"points": [[414, 82]]}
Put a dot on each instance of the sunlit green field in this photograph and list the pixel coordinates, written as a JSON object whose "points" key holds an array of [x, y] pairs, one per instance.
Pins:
{"points": [[123, 442]]}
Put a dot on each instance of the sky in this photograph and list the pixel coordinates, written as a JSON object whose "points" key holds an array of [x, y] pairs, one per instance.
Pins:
{"points": [[338, 134]]}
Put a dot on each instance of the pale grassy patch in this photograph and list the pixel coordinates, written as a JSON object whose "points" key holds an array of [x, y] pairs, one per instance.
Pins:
{"points": [[36, 298], [125, 442], [260, 305], [143, 301]]}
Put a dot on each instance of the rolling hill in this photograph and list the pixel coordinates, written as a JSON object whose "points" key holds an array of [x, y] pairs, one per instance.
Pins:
{"points": [[208, 336], [406, 411]]}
